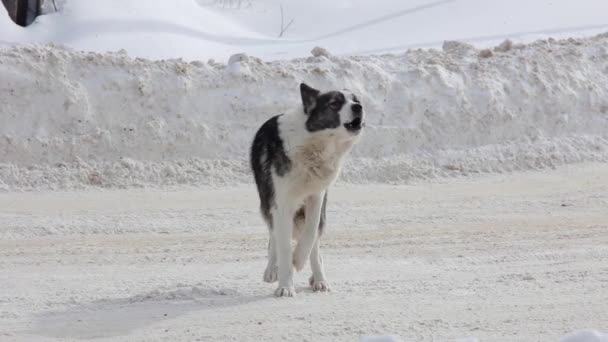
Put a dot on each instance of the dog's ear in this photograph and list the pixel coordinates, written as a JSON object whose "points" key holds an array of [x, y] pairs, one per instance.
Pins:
{"points": [[309, 97]]}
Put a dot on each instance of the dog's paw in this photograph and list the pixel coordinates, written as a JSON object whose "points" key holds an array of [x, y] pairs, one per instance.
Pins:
{"points": [[270, 274], [285, 291], [319, 285]]}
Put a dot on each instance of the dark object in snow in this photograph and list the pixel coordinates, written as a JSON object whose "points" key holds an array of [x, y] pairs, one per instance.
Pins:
{"points": [[23, 12], [238, 57], [504, 46], [283, 26], [457, 48], [319, 51], [486, 53]]}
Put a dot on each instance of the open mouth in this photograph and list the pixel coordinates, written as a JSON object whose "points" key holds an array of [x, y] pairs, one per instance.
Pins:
{"points": [[354, 125]]}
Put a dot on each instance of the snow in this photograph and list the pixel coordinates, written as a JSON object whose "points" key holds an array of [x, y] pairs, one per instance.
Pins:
{"points": [[379, 338], [204, 29], [513, 257], [74, 119], [585, 336], [480, 185], [8, 28]]}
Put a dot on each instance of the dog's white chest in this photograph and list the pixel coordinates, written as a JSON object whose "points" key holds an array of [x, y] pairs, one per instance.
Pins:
{"points": [[316, 165]]}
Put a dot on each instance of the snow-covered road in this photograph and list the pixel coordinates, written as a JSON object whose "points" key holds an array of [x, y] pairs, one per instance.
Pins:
{"points": [[518, 257]]}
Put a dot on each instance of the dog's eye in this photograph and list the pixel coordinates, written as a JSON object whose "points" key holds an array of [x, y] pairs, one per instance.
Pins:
{"points": [[335, 105]]}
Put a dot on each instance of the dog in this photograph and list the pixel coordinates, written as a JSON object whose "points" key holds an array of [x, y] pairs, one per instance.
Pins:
{"points": [[295, 157]]}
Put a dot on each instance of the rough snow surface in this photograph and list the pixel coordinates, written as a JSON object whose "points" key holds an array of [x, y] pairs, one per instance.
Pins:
{"points": [[73, 119], [517, 257]]}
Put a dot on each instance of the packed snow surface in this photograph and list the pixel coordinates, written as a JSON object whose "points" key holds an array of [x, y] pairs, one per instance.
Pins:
{"points": [[577, 336], [497, 258], [380, 338], [73, 119]]}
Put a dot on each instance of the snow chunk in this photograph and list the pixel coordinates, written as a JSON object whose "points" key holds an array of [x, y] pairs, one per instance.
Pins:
{"points": [[504, 46], [239, 57], [237, 64], [486, 53], [319, 51], [456, 47]]}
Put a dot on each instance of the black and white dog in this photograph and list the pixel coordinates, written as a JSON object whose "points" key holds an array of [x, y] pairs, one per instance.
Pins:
{"points": [[295, 157]]}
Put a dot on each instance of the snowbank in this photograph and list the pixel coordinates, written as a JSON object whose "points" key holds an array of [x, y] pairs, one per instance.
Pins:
{"points": [[72, 119]]}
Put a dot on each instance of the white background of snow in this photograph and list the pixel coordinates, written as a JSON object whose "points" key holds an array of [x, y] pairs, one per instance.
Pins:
{"points": [[205, 29]]}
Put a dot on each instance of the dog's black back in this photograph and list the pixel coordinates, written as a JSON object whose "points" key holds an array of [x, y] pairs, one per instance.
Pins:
{"points": [[268, 153]]}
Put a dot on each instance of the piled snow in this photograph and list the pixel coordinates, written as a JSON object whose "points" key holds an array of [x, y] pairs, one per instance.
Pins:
{"points": [[72, 119], [202, 29]]}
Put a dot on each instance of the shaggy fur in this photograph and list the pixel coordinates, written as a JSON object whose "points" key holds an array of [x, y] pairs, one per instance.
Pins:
{"points": [[295, 157]]}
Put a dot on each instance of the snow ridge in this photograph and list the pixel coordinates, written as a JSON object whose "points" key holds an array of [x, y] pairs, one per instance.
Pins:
{"points": [[73, 119]]}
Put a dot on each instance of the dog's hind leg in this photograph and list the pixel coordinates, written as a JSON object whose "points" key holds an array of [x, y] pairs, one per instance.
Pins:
{"points": [[270, 274], [311, 227], [317, 279]]}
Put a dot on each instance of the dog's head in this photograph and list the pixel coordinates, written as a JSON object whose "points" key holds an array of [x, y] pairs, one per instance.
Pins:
{"points": [[340, 111]]}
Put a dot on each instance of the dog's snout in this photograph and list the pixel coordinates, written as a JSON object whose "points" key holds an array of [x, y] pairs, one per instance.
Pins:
{"points": [[356, 108]]}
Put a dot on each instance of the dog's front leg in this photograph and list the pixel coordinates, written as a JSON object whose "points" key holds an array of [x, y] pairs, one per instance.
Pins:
{"points": [[283, 230], [317, 279], [270, 274], [311, 226]]}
